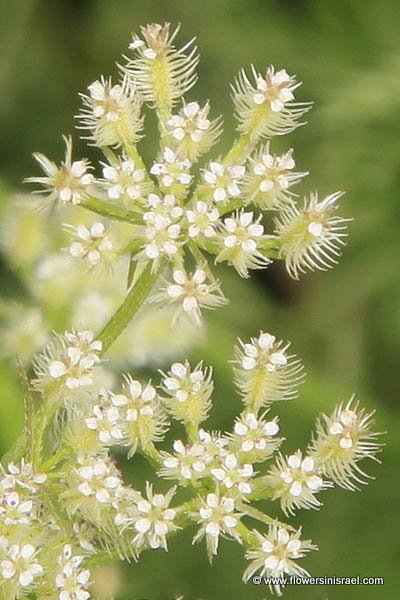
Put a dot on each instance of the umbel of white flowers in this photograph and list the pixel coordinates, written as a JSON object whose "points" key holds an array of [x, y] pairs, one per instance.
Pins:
{"points": [[69, 505], [180, 216], [64, 504]]}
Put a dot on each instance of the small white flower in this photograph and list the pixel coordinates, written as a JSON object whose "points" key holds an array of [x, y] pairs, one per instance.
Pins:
{"points": [[20, 564], [254, 438], [189, 391], [70, 182], [216, 446], [275, 88], [153, 519], [21, 475], [70, 360], [191, 292], [155, 54], [140, 409], [187, 464], [124, 180], [267, 107], [162, 229], [15, 510], [275, 555], [191, 132], [107, 422], [202, 219], [264, 363], [98, 480], [233, 476], [344, 439], [72, 580], [172, 172], [91, 244], [295, 481], [310, 239], [241, 237], [223, 181], [269, 179], [111, 113], [217, 517]]}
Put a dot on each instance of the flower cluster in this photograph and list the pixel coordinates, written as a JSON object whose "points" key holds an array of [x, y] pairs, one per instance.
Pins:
{"points": [[68, 363], [225, 471], [63, 498], [174, 217]]}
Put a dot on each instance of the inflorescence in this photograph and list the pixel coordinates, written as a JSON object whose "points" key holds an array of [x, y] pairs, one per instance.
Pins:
{"points": [[64, 503]]}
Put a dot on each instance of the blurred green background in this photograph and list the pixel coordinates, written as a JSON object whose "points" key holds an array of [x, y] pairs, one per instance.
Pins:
{"points": [[344, 324]]}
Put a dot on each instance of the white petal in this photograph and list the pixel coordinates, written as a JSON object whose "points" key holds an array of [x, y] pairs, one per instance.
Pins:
{"points": [[57, 369], [295, 488], [294, 461], [142, 525], [308, 464]]}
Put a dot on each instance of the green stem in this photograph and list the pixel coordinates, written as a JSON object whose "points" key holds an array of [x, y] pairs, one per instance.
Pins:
{"points": [[152, 454], [60, 455], [247, 536], [111, 211], [240, 149], [262, 489], [254, 513], [192, 430], [133, 301]]}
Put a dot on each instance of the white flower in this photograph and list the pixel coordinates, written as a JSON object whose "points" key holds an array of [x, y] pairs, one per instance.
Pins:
{"points": [[217, 517], [142, 413], [266, 108], [16, 511], [191, 132], [111, 113], [242, 239], [223, 181], [344, 439], [275, 553], [98, 479], [70, 182], [216, 446], [107, 422], [187, 464], [20, 564], [70, 360], [72, 580], [295, 481], [153, 520], [202, 219], [254, 438], [162, 210], [270, 178], [191, 292], [22, 475], [161, 73], [189, 391], [172, 172], [265, 372], [162, 230], [275, 88], [311, 238], [91, 244], [233, 476], [124, 180]]}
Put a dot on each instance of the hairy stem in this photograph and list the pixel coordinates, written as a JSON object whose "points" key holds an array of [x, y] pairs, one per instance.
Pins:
{"points": [[241, 149], [111, 211], [133, 301]]}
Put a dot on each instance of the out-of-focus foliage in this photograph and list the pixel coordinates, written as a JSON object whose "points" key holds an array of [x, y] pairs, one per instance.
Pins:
{"points": [[344, 324]]}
